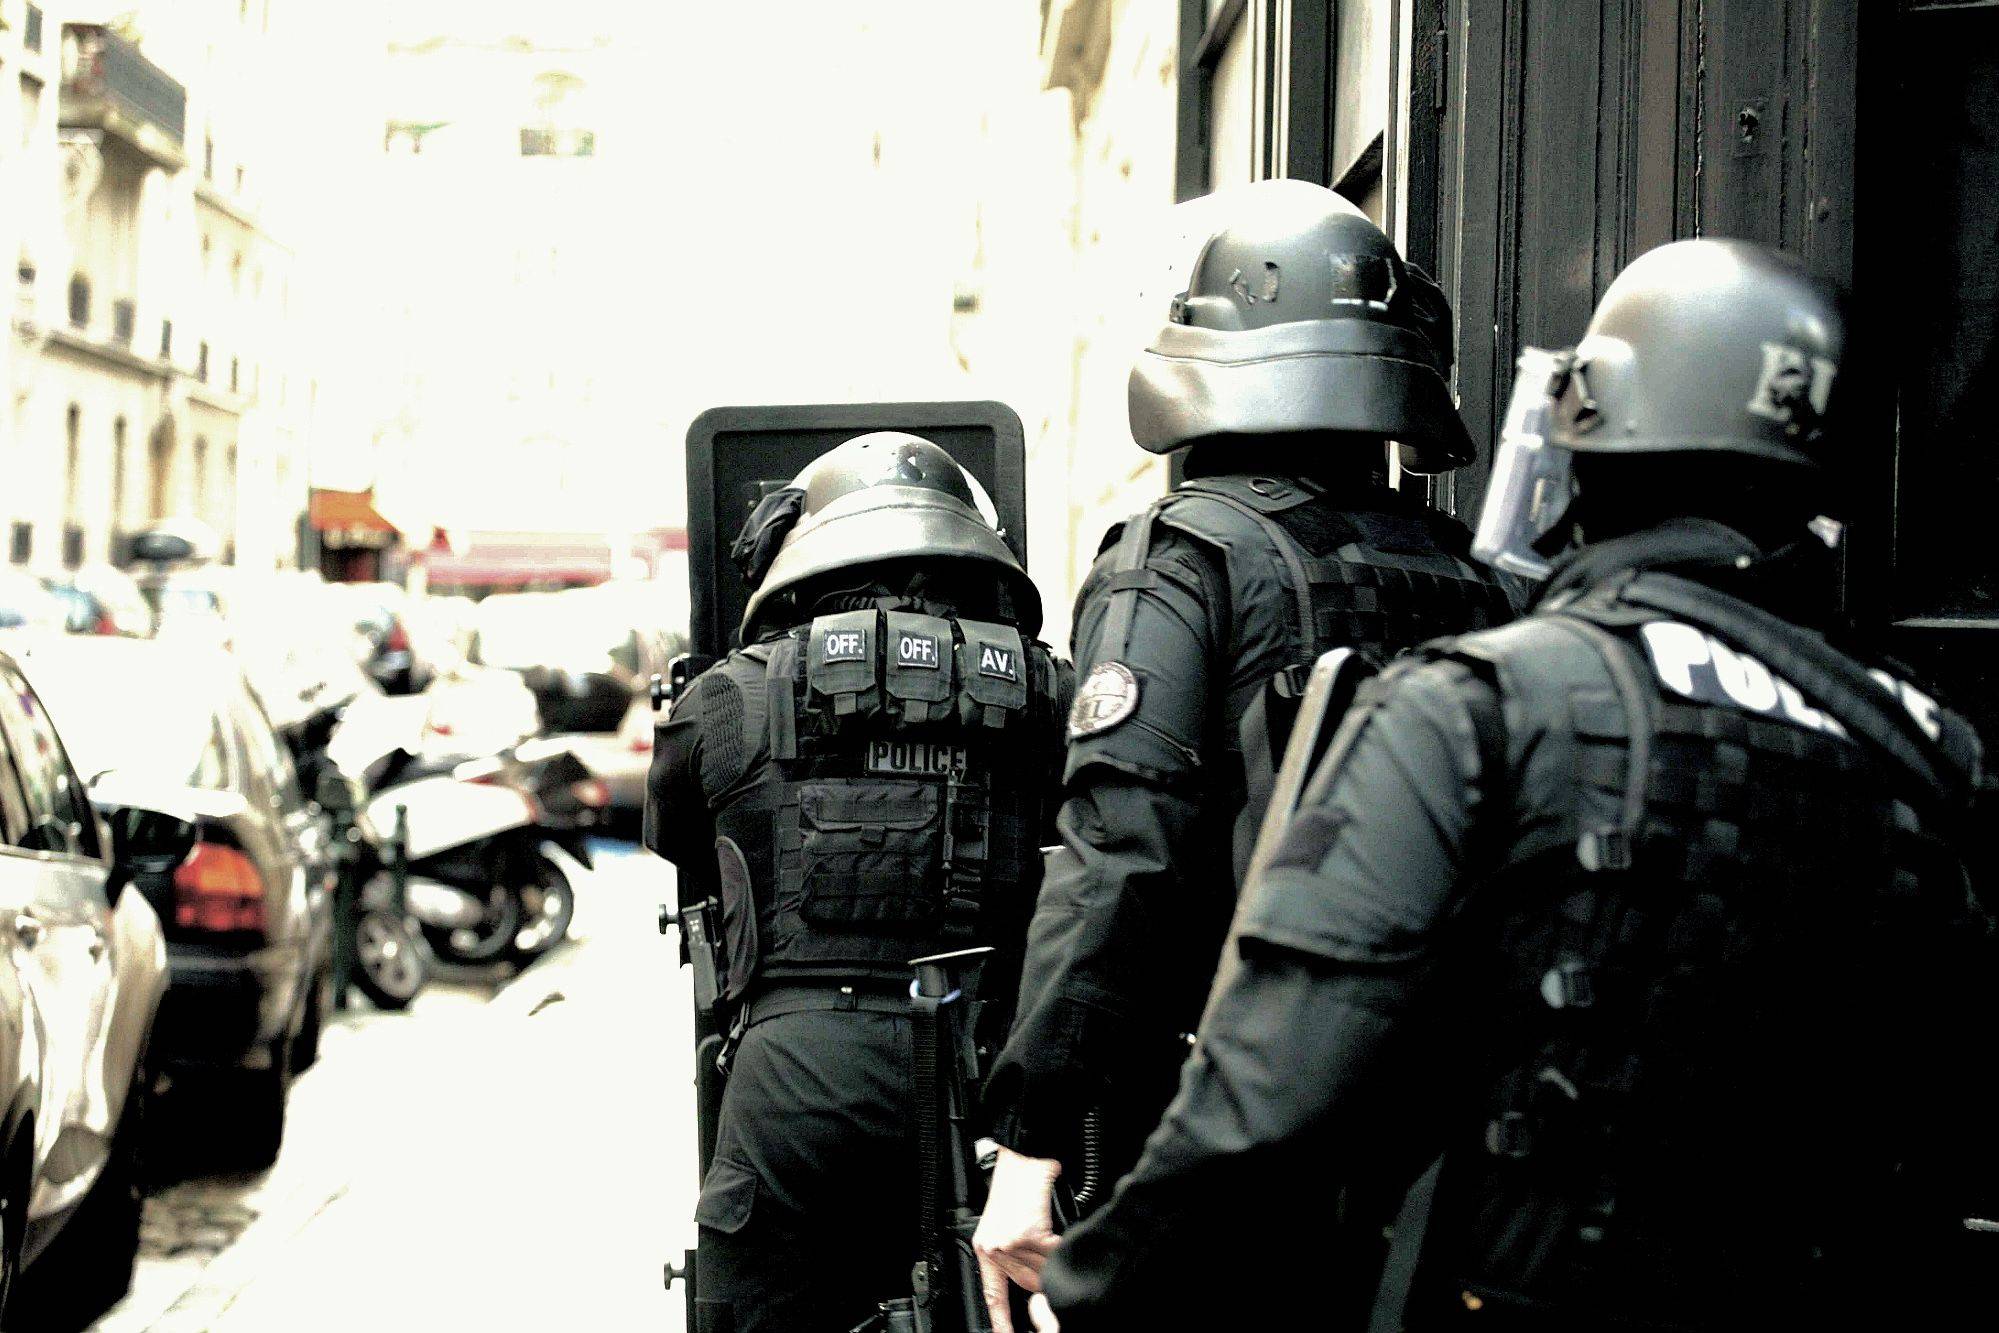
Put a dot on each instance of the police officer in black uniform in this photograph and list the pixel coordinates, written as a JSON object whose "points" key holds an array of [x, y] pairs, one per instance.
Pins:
{"points": [[1302, 349], [1635, 934], [865, 783]]}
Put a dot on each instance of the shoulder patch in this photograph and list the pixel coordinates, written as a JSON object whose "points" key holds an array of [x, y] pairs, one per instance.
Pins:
{"points": [[1106, 697]]}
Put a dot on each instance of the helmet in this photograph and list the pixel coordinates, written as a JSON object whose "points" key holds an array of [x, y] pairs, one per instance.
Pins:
{"points": [[882, 496], [1699, 347], [1298, 315], [1706, 346]]}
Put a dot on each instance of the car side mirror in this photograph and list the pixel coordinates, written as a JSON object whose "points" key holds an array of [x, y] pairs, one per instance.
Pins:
{"points": [[146, 842]]}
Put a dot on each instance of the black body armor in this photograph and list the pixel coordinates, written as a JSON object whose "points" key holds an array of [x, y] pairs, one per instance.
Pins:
{"points": [[1376, 580], [902, 812], [1731, 862]]}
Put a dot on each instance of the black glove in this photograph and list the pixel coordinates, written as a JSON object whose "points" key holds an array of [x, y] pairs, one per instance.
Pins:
{"points": [[756, 545]]}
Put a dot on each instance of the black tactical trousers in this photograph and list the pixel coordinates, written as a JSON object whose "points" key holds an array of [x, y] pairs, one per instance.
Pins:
{"points": [[808, 1217]]}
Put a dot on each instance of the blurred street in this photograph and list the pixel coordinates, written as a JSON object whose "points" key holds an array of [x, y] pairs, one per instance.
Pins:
{"points": [[510, 1158]]}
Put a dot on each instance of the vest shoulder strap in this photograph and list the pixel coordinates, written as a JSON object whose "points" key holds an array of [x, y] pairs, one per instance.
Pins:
{"points": [[781, 699], [1297, 563], [1612, 848]]}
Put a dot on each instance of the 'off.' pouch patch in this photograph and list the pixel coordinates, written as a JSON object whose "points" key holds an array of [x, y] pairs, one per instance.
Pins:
{"points": [[917, 664], [841, 661]]}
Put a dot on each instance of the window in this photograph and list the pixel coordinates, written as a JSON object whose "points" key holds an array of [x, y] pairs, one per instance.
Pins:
{"points": [[79, 301], [201, 363], [59, 817], [118, 433], [31, 109], [273, 779], [235, 374], [200, 475], [72, 488], [1217, 74], [162, 457], [208, 160], [13, 805], [1947, 97], [543, 141]]}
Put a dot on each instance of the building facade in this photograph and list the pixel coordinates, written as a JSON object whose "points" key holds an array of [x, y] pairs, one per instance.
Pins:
{"points": [[1525, 153], [158, 372]]}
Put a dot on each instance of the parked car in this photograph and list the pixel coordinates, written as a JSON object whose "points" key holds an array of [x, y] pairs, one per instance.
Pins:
{"points": [[588, 657], [248, 915], [102, 599], [26, 604], [80, 988], [399, 663]]}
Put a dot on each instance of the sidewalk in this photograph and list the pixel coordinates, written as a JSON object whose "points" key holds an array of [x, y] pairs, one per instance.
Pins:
{"points": [[524, 1165]]}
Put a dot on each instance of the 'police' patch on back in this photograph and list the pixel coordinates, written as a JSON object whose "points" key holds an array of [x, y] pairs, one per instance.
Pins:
{"points": [[1003, 663], [1695, 664], [917, 650], [844, 645], [1698, 666], [1107, 696]]}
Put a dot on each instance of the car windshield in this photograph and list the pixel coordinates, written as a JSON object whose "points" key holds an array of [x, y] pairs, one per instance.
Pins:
{"points": [[148, 714], [184, 600], [79, 607]]}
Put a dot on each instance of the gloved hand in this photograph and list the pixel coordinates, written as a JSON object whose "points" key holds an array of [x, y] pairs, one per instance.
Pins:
{"points": [[1017, 1232]]}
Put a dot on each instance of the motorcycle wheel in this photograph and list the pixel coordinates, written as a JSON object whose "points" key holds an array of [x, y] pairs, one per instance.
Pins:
{"points": [[547, 907], [488, 940], [389, 963]]}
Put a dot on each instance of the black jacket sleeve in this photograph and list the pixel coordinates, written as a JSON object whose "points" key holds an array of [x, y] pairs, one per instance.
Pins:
{"points": [[1118, 905], [1320, 1023], [678, 825]]}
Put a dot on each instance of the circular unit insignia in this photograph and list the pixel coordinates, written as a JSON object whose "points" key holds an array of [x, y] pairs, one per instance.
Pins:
{"points": [[1106, 697]]}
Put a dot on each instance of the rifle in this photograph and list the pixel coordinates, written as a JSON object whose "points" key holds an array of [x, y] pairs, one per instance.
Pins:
{"points": [[945, 1292]]}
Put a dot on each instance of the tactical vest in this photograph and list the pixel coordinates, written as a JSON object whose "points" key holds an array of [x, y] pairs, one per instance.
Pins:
{"points": [[911, 758], [1378, 582], [1728, 863]]}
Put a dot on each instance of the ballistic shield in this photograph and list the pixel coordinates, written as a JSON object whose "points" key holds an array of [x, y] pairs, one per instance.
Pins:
{"points": [[738, 455]]}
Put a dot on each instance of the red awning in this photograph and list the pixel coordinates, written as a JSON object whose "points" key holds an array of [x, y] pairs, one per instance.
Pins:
{"points": [[513, 559], [347, 511]]}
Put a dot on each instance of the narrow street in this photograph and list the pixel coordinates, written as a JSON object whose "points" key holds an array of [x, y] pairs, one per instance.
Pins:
{"points": [[510, 1158]]}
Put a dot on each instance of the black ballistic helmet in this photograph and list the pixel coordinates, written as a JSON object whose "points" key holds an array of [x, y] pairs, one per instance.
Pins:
{"points": [[1711, 347], [877, 497], [1300, 316], [1707, 346]]}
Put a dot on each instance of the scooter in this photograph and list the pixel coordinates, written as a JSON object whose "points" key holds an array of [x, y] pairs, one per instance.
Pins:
{"points": [[376, 943], [495, 846], [381, 951]]}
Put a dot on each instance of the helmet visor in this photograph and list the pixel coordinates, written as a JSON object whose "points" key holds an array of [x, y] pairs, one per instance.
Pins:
{"points": [[1533, 481]]}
